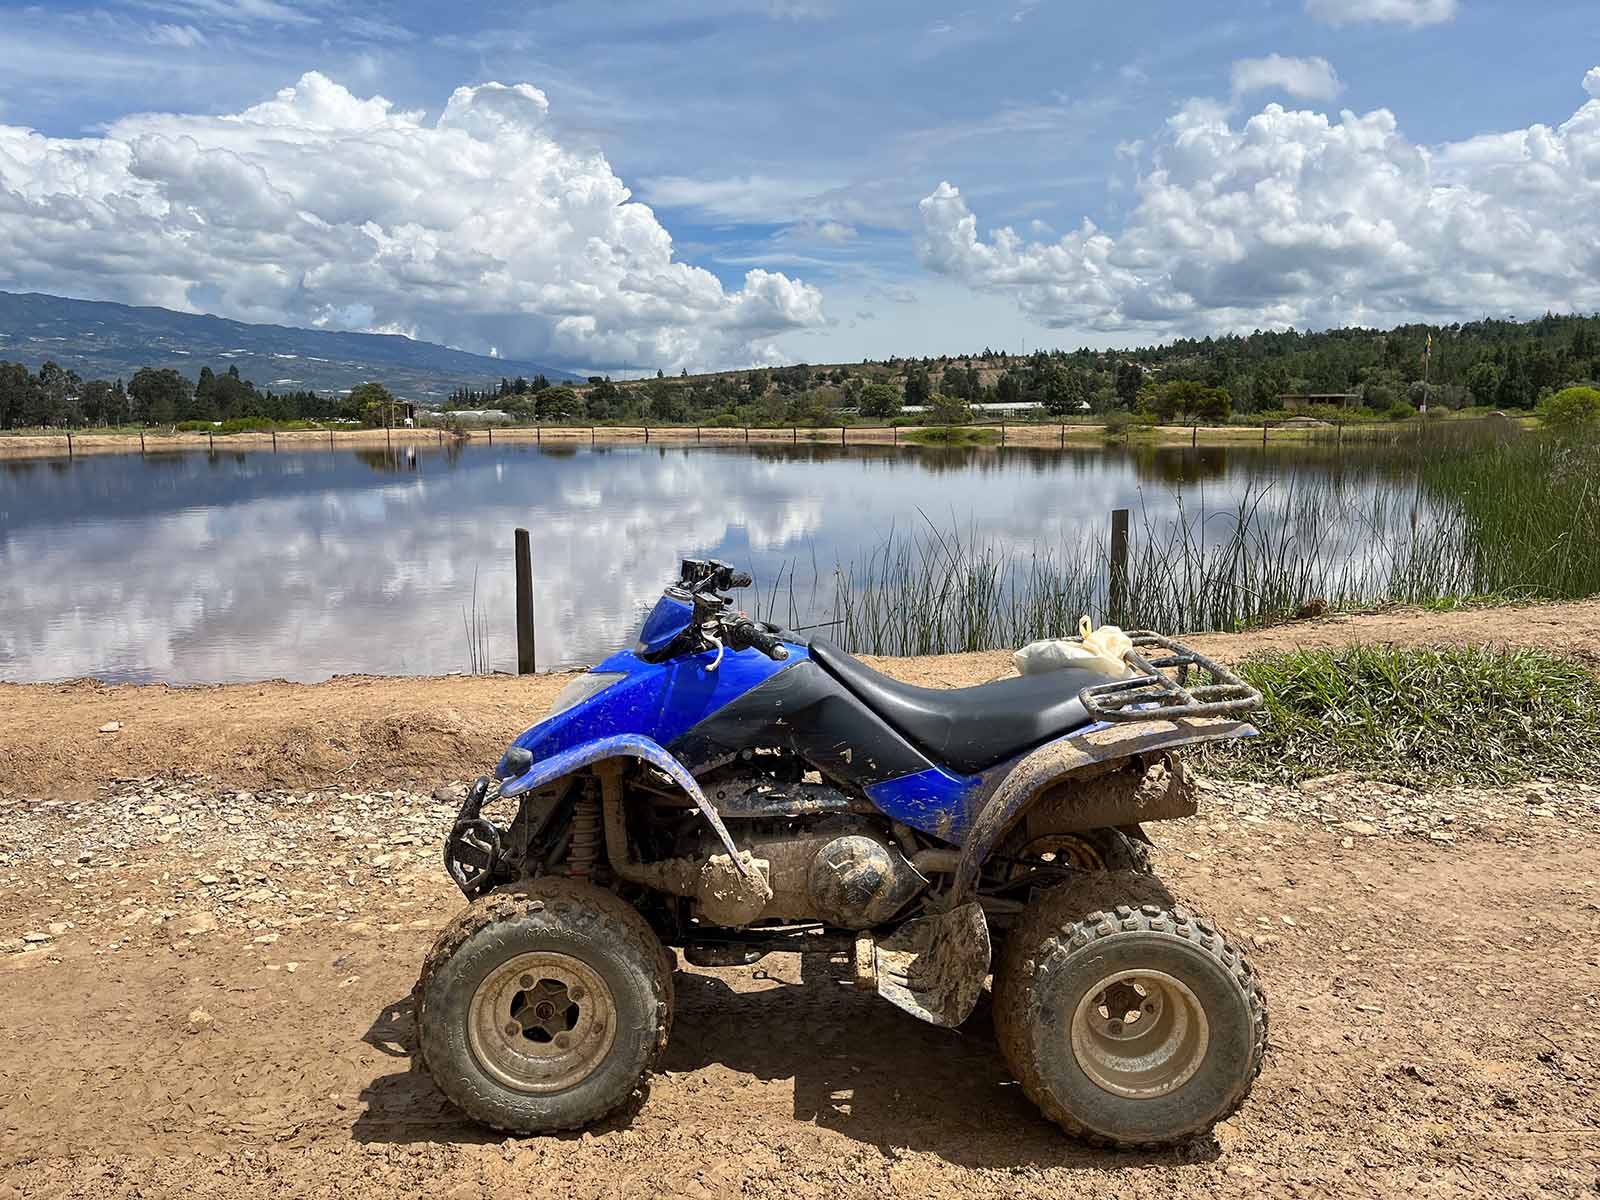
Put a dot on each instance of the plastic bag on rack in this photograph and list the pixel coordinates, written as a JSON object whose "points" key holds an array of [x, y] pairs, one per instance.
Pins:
{"points": [[1096, 649]]}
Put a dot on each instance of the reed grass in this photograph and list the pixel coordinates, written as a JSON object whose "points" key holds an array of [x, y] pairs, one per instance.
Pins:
{"points": [[1443, 512]]}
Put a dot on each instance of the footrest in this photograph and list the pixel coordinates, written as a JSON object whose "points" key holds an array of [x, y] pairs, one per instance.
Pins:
{"points": [[934, 967]]}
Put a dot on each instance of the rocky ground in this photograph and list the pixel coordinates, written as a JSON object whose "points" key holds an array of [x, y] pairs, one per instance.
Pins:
{"points": [[206, 992]]}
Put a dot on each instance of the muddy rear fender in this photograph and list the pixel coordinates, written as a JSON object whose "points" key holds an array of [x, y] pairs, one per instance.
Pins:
{"points": [[1046, 772]]}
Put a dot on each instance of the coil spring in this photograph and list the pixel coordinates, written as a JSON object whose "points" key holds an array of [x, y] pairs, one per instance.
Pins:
{"points": [[584, 851]]}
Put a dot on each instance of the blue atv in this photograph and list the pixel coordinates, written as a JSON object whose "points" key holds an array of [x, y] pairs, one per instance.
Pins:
{"points": [[728, 790]]}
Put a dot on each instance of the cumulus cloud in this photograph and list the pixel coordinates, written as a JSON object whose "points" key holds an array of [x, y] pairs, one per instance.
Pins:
{"points": [[1415, 13], [1306, 78], [1293, 218], [319, 206]]}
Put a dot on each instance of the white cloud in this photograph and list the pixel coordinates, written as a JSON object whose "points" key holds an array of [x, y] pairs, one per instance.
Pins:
{"points": [[1306, 78], [1293, 218], [238, 12], [183, 36], [1415, 13], [320, 206]]}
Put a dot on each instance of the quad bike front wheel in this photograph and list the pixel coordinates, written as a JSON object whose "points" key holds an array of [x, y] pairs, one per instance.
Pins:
{"points": [[1129, 1025], [543, 1008]]}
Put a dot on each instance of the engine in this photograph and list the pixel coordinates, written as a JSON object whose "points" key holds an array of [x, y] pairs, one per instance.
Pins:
{"points": [[821, 861]]}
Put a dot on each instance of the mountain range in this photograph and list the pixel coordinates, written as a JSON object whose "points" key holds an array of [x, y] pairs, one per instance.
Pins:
{"points": [[102, 340]]}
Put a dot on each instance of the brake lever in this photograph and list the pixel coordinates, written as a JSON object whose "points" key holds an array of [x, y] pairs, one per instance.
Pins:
{"points": [[717, 642]]}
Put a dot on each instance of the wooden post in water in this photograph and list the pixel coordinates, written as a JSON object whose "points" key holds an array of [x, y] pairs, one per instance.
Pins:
{"points": [[841, 435], [895, 431], [1063, 437], [274, 441], [69, 444], [647, 435], [1194, 436], [697, 435], [330, 437], [388, 439], [491, 435], [141, 441], [538, 433], [524, 604], [1002, 433], [1117, 589], [211, 442], [1264, 425]]}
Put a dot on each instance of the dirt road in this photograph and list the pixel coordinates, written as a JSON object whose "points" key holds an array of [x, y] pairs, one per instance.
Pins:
{"points": [[206, 991]]}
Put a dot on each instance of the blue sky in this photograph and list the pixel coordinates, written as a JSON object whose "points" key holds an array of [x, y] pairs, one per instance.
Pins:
{"points": [[810, 138]]}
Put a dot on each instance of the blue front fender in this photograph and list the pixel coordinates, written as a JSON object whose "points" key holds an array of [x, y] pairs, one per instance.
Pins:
{"points": [[622, 745]]}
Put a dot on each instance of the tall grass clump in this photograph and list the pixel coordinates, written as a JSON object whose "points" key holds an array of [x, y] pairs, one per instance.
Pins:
{"points": [[1529, 508], [1427, 514], [1419, 716]]}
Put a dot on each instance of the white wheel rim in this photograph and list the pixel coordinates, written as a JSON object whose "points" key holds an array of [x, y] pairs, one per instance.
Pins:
{"points": [[1140, 1034], [541, 1022]]}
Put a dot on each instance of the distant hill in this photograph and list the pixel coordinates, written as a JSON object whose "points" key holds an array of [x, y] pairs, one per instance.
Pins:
{"points": [[100, 340]]}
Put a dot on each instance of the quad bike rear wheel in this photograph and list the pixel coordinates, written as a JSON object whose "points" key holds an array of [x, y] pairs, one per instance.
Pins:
{"points": [[1131, 1024], [543, 1008]]}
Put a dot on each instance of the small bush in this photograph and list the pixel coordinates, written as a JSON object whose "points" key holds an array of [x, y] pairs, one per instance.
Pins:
{"points": [[1573, 411]]}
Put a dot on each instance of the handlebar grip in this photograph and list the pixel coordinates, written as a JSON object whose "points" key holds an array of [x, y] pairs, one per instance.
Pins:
{"points": [[740, 579], [748, 633]]}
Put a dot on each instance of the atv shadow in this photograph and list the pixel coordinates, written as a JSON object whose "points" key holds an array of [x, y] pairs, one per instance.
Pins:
{"points": [[880, 1076], [858, 1066]]}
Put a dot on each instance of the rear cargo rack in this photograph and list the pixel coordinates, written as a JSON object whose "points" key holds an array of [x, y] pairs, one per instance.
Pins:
{"points": [[1160, 689]]}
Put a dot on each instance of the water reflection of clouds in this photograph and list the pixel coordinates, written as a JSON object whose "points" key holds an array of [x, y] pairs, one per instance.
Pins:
{"points": [[189, 568]]}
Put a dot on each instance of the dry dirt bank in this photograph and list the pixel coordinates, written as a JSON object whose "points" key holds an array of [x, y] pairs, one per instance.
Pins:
{"points": [[368, 731], [56, 445]]}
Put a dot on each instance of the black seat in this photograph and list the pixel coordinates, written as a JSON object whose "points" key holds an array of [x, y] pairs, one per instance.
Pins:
{"points": [[971, 728]]}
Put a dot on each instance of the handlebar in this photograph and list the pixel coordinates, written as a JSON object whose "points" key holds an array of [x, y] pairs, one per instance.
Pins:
{"points": [[743, 632]]}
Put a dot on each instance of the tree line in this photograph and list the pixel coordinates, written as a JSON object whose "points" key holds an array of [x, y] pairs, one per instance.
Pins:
{"points": [[56, 396], [1503, 364]]}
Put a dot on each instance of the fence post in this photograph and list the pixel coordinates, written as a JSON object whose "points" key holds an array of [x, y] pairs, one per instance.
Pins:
{"points": [[1117, 589], [524, 604]]}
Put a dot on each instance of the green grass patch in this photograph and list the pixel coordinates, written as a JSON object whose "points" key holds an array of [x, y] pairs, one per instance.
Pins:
{"points": [[1419, 717], [953, 435]]}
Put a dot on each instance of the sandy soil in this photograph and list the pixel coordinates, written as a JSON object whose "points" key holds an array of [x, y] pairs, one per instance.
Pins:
{"points": [[206, 989], [367, 731]]}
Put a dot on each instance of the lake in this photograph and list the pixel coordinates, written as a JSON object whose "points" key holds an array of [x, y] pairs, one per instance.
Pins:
{"points": [[220, 567]]}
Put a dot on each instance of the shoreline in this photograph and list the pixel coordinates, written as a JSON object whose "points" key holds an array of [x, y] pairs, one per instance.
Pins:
{"points": [[1045, 436], [385, 731]]}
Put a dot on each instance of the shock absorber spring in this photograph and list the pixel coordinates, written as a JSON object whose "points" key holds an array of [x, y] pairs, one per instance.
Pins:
{"points": [[585, 847]]}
